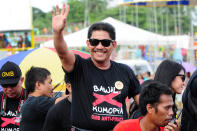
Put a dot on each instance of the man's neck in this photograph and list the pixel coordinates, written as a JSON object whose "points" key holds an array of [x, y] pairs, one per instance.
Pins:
{"points": [[147, 125], [35, 94], [102, 65]]}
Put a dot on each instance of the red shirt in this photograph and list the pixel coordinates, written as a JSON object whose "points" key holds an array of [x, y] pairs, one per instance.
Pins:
{"points": [[130, 125]]}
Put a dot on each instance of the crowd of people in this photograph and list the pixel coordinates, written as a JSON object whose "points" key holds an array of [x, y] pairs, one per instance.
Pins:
{"points": [[20, 41], [96, 91]]}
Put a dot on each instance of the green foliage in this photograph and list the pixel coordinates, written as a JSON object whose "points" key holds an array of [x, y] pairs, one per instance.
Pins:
{"points": [[97, 11], [76, 12], [41, 20]]}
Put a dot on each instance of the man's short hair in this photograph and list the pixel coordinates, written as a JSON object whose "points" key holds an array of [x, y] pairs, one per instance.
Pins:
{"points": [[33, 75], [151, 95], [102, 26]]}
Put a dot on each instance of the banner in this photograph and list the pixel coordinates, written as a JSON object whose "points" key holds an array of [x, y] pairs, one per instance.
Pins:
{"points": [[15, 15]]}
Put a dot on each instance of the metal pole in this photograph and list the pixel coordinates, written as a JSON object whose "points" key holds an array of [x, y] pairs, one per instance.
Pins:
{"points": [[179, 17], [192, 57], [191, 23], [137, 24], [167, 29], [155, 17], [86, 14], [175, 22], [147, 20], [152, 20], [132, 17], [125, 14], [120, 13], [161, 22]]}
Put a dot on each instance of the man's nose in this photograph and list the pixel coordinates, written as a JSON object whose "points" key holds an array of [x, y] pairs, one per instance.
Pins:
{"points": [[100, 45], [170, 113], [9, 88]]}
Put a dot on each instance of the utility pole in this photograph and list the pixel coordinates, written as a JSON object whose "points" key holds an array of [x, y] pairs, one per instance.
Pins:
{"points": [[179, 18], [155, 17], [86, 14], [167, 26], [136, 15], [125, 14]]}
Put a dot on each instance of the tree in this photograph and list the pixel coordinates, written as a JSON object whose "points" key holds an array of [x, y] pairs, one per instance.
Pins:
{"points": [[97, 11]]}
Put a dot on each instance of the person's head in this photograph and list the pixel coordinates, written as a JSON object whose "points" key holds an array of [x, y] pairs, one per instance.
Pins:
{"points": [[188, 74], [156, 103], [11, 80], [101, 41], [38, 80], [21, 37], [139, 76], [147, 74], [68, 85], [25, 34], [172, 74], [4, 36]]}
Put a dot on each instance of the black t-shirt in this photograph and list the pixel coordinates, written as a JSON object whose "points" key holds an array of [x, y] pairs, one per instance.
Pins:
{"points": [[189, 99], [98, 96], [8, 119], [34, 112], [59, 117]]}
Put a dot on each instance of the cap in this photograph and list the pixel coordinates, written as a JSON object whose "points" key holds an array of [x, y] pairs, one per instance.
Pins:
{"points": [[10, 73]]}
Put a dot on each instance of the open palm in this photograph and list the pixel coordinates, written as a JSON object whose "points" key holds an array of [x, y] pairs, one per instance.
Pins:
{"points": [[59, 19]]}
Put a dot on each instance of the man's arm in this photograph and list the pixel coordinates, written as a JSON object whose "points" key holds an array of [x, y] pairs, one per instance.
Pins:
{"points": [[58, 23]]}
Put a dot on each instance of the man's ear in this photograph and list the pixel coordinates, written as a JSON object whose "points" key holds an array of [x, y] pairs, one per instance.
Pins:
{"points": [[22, 80], [87, 43], [149, 108], [114, 44], [37, 85]]}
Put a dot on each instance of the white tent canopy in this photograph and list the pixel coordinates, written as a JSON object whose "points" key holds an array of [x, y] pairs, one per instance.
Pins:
{"points": [[15, 15], [76, 39], [130, 35], [125, 35], [181, 41]]}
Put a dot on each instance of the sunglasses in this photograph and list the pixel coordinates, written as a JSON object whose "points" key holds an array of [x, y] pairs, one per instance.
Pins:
{"points": [[182, 77], [105, 42], [9, 85]]}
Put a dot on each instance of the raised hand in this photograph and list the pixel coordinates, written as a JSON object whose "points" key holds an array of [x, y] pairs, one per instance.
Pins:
{"points": [[172, 126], [59, 19]]}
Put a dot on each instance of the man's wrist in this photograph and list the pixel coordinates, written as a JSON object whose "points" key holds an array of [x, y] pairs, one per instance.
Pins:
{"points": [[58, 34]]}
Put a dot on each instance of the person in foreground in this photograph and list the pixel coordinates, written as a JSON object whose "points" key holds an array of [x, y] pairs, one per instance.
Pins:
{"points": [[156, 107], [99, 85], [172, 74], [59, 116], [189, 99], [12, 97], [38, 83]]}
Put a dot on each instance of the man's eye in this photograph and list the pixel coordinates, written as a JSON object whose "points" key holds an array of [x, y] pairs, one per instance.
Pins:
{"points": [[168, 107]]}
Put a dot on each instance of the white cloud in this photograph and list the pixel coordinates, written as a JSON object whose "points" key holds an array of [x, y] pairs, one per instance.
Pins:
{"points": [[113, 3], [46, 5]]}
